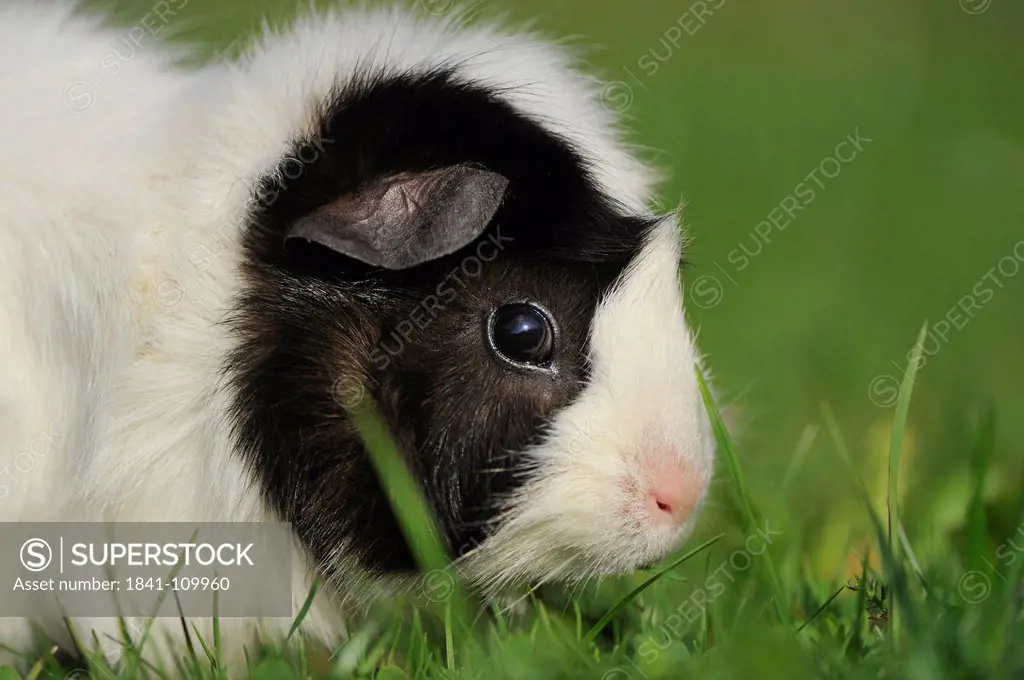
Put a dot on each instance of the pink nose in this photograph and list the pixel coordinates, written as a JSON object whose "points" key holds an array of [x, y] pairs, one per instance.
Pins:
{"points": [[672, 495]]}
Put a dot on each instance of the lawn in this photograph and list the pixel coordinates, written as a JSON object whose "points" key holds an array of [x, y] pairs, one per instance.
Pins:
{"points": [[852, 173]]}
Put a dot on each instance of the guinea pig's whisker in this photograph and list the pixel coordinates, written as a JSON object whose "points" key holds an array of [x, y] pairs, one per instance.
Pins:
{"points": [[507, 609], [578, 586], [480, 523], [494, 471], [505, 455]]}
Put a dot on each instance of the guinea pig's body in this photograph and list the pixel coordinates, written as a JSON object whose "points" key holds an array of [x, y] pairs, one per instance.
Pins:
{"points": [[198, 268]]}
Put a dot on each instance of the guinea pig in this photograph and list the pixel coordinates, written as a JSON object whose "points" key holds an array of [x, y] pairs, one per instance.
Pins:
{"points": [[200, 267]]}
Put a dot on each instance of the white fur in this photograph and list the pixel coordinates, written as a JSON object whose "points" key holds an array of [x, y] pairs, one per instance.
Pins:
{"points": [[640, 413], [119, 231]]}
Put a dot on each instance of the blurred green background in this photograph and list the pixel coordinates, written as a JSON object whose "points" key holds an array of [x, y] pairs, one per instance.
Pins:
{"points": [[739, 101]]}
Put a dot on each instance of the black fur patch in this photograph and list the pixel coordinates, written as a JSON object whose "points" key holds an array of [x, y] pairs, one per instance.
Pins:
{"points": [[314, 328]]}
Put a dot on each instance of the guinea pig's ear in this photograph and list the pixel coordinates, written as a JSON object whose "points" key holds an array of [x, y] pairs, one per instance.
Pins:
{"points": [[403, 220]]}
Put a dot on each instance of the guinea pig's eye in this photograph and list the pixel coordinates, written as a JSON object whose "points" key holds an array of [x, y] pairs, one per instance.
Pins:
{"points": [[523, 334]]}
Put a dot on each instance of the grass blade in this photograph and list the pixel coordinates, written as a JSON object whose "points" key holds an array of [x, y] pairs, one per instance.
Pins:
{"points": [[803, 446], [206, 648], [404, 493], [624, 602], [899, 426], [449, 638], [217, 649], [895, 578], [820, 609], [304, 610], [750, 514], [407, 500], [856, 631], [706, 613], [983, 449], [37, 668], [832, 425]]}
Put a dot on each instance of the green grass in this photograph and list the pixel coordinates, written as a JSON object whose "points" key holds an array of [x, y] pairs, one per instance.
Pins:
{"points": [[763, 611], [900, 508]]}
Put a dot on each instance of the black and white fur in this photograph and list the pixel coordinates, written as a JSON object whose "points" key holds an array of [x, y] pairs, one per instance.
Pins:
{"points": [[186, 363]]}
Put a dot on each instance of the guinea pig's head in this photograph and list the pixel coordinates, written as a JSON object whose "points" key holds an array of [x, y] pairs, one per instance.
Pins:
{"points": [[520, 331]]}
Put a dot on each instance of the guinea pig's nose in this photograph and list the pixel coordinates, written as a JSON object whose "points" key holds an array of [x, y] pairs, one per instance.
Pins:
{"points": [[673, 494]]}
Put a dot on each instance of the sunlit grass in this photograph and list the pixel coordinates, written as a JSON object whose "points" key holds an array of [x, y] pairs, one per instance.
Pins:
{"points": [[959, 617]]}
